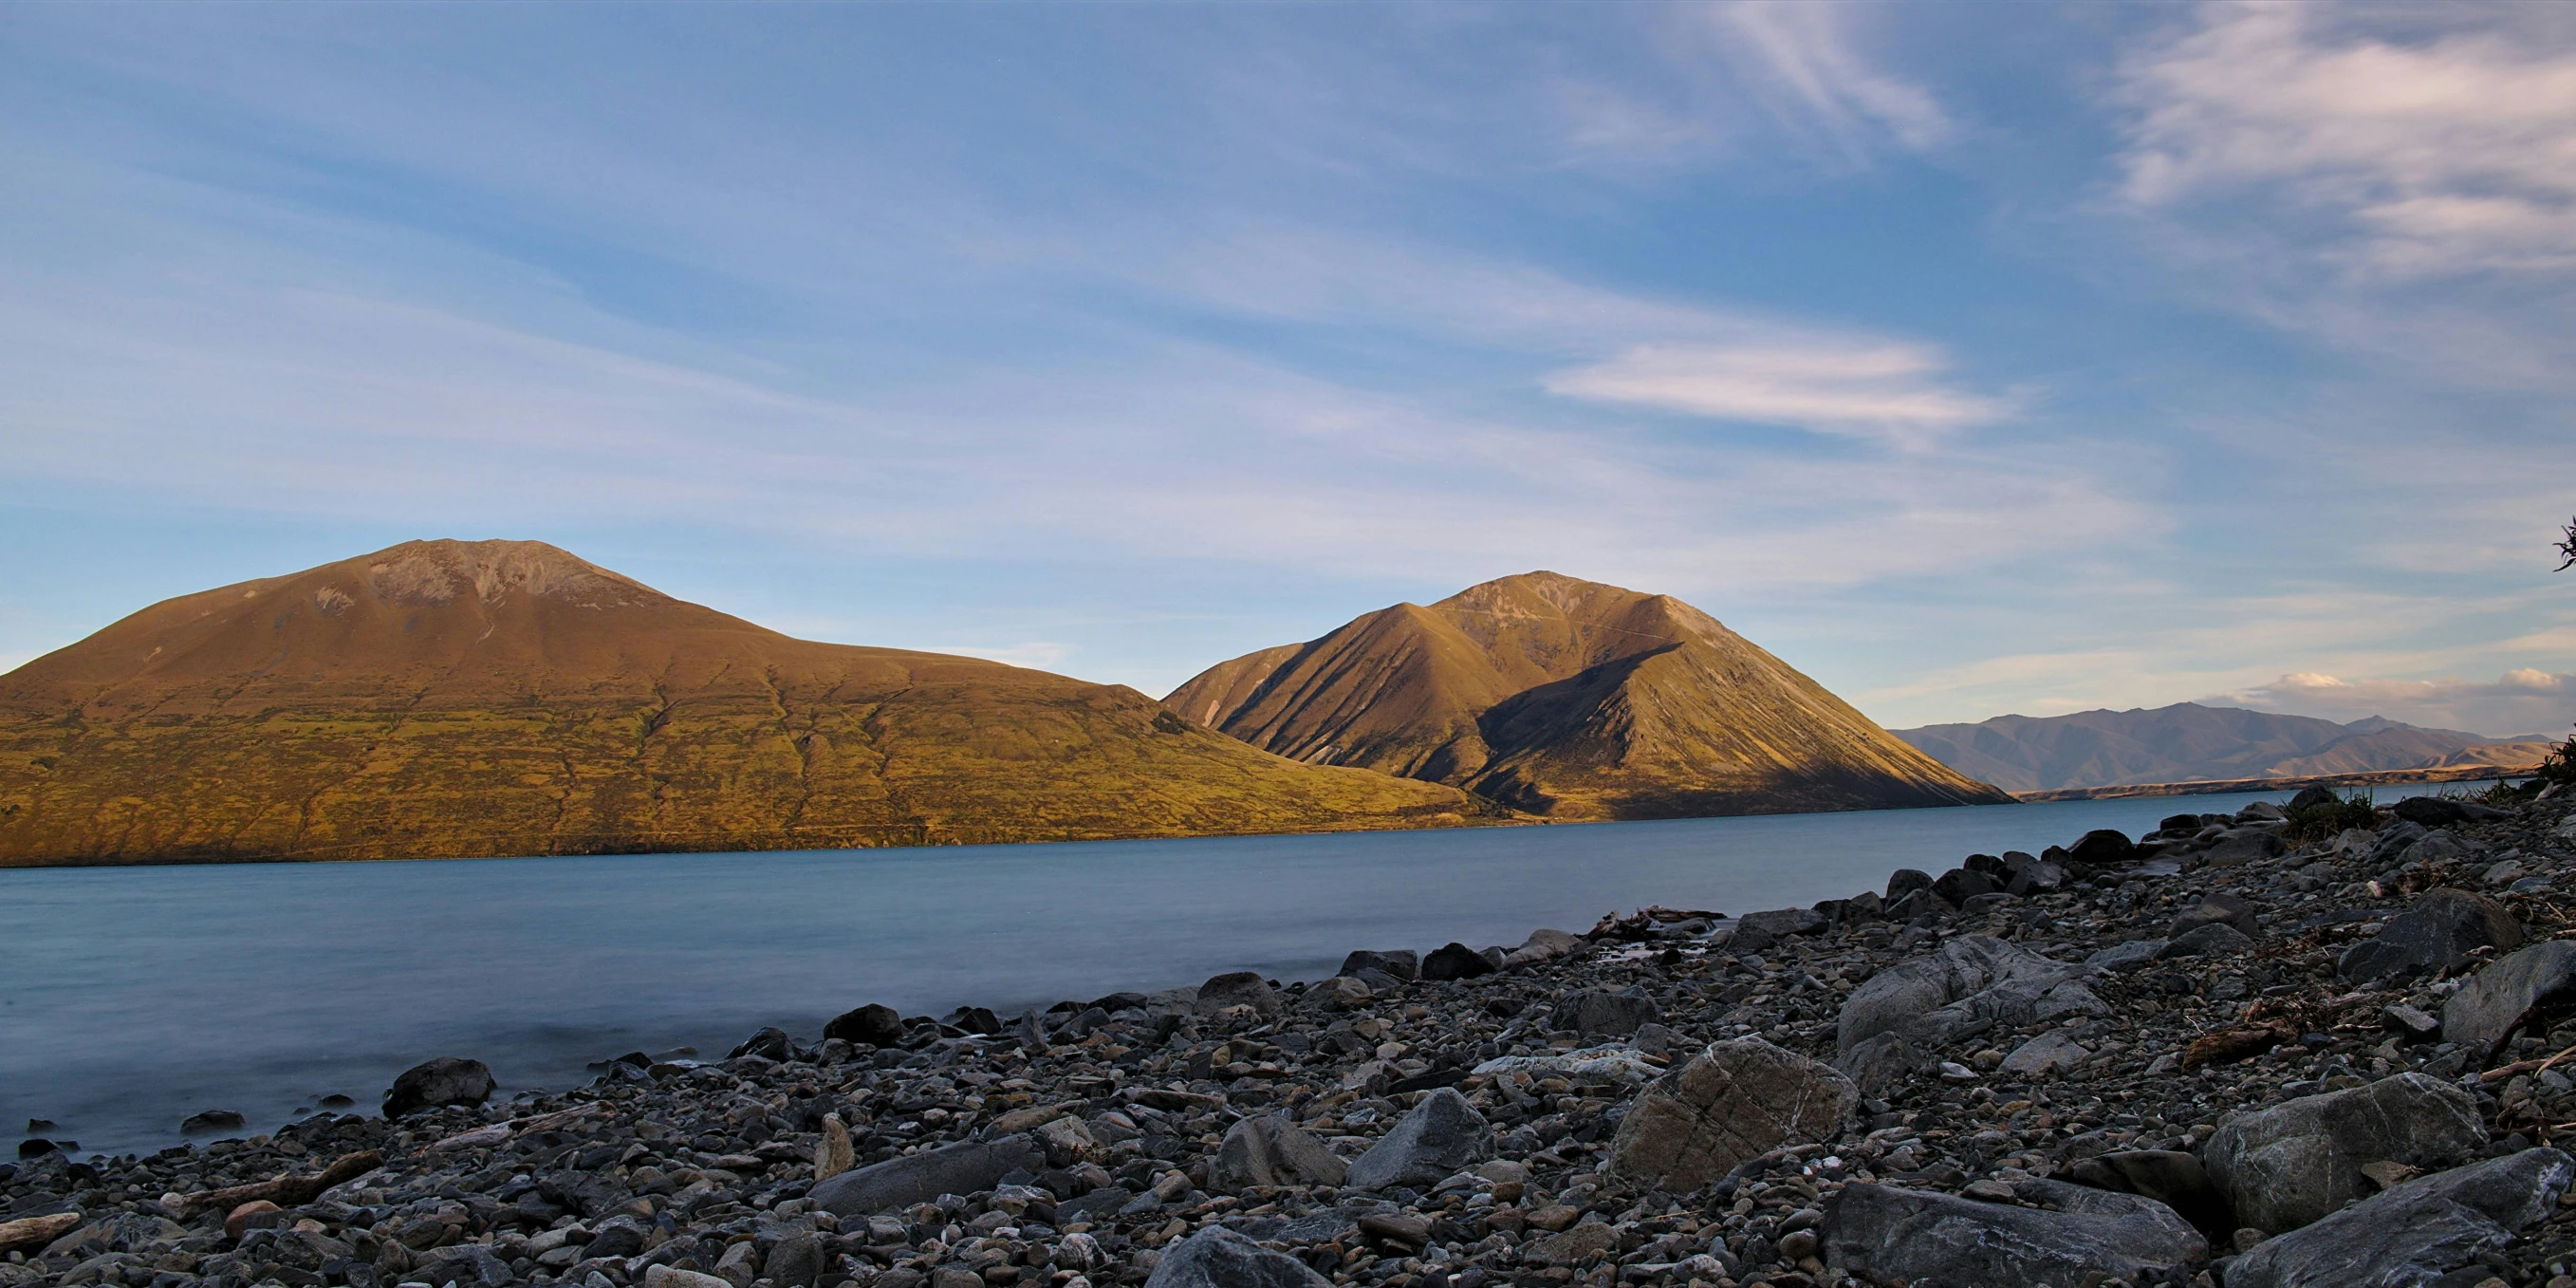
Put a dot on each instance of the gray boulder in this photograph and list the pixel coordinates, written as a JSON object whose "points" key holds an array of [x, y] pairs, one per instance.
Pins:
{"points": [[870, 1025], [1543, 946], [1400, 963], [2293, 1163], [2055, 1051], [2128, 956], [1596, 1012], [2417, 1232], [1436, 1137], [1757, 930], [447, 1080], [1239, 988], [2210, 939], [1217, 1257], [1729, 1103], [2436, 932], [1880, 1063], [2238, 846], [2225, 908], [1455, 961], [1970, 984], [1271, 1151], [2536, 983], [1933, 1240], [1905, 881], [969, 1168]]}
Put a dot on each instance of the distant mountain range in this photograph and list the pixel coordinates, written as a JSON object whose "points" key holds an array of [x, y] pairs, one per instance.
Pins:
{"points": [[446, 698], [2188, 742], [1573, 700]]}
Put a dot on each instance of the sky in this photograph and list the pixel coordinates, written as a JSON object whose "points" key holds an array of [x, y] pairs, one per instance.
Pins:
{"points": [[1972, 358]]}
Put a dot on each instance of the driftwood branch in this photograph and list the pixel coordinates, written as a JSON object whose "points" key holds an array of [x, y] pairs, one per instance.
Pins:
{"points": [[284, 1191]]}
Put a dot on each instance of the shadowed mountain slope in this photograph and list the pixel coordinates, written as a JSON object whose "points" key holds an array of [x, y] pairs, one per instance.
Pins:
{"points": [[2187, 743], [445, 698], [1571, 699]]}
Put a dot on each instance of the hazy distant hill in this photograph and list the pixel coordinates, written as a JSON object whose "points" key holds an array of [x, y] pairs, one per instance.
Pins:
{"points": [[446, 698], [1571, 699], [2187, 742]]}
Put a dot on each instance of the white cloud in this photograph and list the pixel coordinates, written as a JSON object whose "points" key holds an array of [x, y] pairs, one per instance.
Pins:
{"points": [[2523, 701], [1803, 62], [2428, 151], [1853, 387]]}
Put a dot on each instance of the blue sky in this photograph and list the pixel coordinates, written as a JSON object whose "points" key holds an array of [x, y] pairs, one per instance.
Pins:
{"points": [[1972, 358]]}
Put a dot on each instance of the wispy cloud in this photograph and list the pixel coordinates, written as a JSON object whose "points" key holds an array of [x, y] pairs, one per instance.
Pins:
{"points": [[2429, 151], [1803, 61], [1874, 390]]}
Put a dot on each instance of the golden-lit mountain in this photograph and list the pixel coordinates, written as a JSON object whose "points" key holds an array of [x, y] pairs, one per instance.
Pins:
{"points": [[1571, 699], [445, 698]]}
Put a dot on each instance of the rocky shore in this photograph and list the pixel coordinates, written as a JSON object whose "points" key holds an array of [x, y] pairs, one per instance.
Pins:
{"points": [[2239, 1051]]}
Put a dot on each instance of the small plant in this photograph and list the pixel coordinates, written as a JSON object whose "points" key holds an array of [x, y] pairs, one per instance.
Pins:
{"points": [[2560, 767], [2324, 820]]}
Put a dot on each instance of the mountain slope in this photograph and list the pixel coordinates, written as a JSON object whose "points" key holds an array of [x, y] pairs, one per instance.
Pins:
{"points": [[2187, 742], [1572, 699], [445, 698]]}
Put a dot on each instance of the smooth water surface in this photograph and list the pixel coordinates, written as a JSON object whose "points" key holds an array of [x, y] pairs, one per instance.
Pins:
{"points": [[131, 997]]}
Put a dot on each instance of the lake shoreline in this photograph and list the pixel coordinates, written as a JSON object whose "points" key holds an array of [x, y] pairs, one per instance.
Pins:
{"points": [[1480, 1122]]}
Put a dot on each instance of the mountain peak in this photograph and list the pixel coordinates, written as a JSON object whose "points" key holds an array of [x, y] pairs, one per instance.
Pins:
{"points": [[438, 571]]}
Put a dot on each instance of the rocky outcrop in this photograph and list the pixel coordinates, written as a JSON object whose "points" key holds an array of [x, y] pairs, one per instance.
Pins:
{"points": [[1890, 1235], [2417, 1231], [1731, 1102], [2291, 1164]]}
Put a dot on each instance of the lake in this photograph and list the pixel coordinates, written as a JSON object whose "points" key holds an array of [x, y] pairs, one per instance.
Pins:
{"points": [[132, 997]]}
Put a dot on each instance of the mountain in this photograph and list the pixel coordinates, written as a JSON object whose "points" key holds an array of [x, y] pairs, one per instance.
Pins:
{"points": [[2187, 742], [1571, 699], [445, 698]]}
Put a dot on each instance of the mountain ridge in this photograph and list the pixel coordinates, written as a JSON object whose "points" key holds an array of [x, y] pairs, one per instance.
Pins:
{"points": [[2191, 742], [445, 699], [1571, 699]]}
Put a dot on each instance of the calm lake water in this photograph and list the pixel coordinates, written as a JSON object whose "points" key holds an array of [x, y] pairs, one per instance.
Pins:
{"points": [[132, 997]]}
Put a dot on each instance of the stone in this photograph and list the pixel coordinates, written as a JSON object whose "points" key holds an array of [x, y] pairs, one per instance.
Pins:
{"points": [[1905, 881], [465, 1265], [768, 1044], [2217, 908], [2293, 1163], [1439, 1135], [870, 1025], [1934, 1240], [2103, 848], [1969, 984], [2313, 797], [447, 1080], [1271, 1151], [2417, 1232], [36, 1231], [674, 1277], [1781, 923], [2436, 932], [1731, 1102], [2169, 1176], [2238, 846], [832, 1154], [2213, 939], [968, 1168], [1543, 946], [2429, 811], [1240, 988], [1959, 885], [1595, 1012], [2536, 983], [1590, 1064], [1455, 961], [1401, 963], [2052, 1052], [796, 1262], [1880, 1063], [2128, 956], [1575, 1246], [1068, 1142], [1217, 1257], [238, 1219], [209, 1120], [1339, 993]]}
